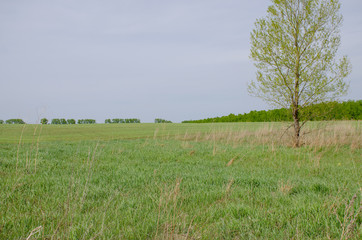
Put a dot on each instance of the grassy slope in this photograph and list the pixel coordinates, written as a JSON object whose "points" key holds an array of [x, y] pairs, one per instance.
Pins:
{"points": [[164, 188]]}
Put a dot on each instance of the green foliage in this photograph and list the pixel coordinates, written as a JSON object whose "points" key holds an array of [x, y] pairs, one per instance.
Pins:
{"points": [[14, 121], [44, 121], [62, 121], [121, 120], [86, 121], [71, 121], [117, 120], [132, 120], [56, 121], [159, 120], [349, 110], [295, 49], [1, 121]]}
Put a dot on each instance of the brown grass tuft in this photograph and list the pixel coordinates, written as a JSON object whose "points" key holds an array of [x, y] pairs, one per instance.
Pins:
{"points": [[285, 187]]}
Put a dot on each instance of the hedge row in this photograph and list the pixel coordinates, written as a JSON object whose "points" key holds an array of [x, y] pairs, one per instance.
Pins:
{"points": [[349, 110]]}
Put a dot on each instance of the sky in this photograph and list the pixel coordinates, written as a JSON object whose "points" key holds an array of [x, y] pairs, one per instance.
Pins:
{"points": [[177, 60]]}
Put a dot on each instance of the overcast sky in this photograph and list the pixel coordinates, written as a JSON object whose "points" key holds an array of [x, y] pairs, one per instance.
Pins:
{"points": [[147, 59]]}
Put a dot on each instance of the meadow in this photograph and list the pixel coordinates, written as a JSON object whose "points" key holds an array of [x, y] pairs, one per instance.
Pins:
{"points": [[180, 181]]}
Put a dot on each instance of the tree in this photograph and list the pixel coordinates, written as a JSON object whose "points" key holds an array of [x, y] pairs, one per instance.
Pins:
{"points": [[71, 121], [294, 48], [86, 121], [55, 121], [115, 120], [160, 120], [15, 121], [44, 121]]}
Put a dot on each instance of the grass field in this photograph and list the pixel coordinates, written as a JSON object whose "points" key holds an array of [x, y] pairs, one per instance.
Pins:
{"points": [[180, 181]]}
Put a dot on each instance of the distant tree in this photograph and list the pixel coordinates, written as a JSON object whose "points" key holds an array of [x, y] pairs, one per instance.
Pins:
{"points": [[294, 48], [63, 121], [160, 120], [14, 121], [44, 121], [115, 120], [1, 121], [71, 121], [55, 121], [86, 121], [108, 121]]}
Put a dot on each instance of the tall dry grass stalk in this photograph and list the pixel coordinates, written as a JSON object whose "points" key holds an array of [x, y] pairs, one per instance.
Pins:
{"points": [[90, 172], [351, 214], [37, 147], [171, 222], [17, 153], [76, 197], [34, 231]]}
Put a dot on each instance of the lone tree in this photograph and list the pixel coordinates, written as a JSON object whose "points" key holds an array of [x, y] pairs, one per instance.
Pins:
{"points": [[294, 49], [44, 121]]}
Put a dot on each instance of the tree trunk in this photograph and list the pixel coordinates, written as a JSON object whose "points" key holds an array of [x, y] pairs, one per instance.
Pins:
{"points": [[296, 139]]}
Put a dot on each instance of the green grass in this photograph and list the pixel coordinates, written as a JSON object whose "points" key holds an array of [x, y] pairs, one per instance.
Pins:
{"points": [[163, 181], [12, 133]]}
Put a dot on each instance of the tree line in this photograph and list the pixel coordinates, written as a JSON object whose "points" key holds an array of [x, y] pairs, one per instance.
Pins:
{"points": [[160, 120], [121, 120], [63, 121], [13, 121], [349, 110]]}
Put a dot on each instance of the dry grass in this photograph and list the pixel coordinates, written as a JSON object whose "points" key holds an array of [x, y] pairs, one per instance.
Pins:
{"points": [[350, 215], [313, 135], [285, 187], [171, 222]]}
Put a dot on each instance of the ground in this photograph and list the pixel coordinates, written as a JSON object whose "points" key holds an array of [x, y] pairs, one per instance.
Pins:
{"points": [[180, 181]]}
